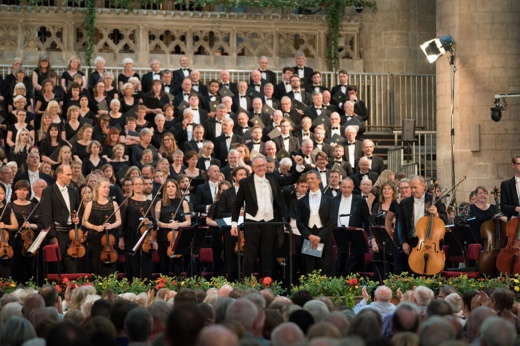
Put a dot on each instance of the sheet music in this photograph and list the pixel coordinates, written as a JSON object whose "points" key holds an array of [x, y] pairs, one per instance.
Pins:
{"points": [[294, 228], [227, 220], [37, 242], [307, 249]]}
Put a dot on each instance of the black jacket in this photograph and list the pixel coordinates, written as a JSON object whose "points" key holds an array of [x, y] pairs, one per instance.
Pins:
{"points": [[509, 197], [326, 212]]}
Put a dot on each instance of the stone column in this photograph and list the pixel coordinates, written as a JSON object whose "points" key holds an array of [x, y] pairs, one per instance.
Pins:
{"points": [[487, 35]]}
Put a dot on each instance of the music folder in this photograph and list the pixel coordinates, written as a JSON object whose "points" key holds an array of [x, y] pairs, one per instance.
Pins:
{"points": [[307, 249]]}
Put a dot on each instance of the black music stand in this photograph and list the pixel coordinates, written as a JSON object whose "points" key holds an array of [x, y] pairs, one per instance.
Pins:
{"points": [[184, 243], [386, 246], [342, 235]]}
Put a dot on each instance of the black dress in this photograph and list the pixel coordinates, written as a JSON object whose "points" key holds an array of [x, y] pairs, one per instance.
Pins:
{"points": [[23, 265], [473, 237], [98, 216], [167, 212], [385, 259], [140, 264], [129, 109], [69, 79], [7, 263]]}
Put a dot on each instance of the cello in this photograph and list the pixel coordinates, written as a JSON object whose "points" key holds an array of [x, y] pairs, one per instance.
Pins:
{"points": [[427, 257], [6, 250], [491, 235]]}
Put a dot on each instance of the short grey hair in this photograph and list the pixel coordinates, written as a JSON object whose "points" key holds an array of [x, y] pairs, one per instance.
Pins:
{"points": [[16, 331], [317, 309], [99, 59], [287, 333], [127, 61], [496, 331], [435, 330], [286, 162], [242, 311], [145, 131]]}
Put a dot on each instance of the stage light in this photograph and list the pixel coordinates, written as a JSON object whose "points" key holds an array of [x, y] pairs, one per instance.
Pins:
{"points": [[496, 110], [433, 49]]}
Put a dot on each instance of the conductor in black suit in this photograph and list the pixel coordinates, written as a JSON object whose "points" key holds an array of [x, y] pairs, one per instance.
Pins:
{"points": [[262, 199], [510, 190], [350, 210], [315, 221], [59, 203]]}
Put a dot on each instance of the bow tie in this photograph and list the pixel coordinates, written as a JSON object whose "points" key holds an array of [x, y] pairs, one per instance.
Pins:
{"points": [[257, 142], [335, 128], [324, 171], [63, 189], [369, 157], [157, 73], [227, 137], [186, 94], [296, 92], [258, 85], [268, 98], [245, 128], [301, 68], [257, 114], [194, 109], [314, 194], [306, 134], [185, 69], [286, 138], [338, 161], [194, 84], [207, 158], [218, 121], [348, 144], [200, 141], [287, 83], [242, 96], [225, 85]]}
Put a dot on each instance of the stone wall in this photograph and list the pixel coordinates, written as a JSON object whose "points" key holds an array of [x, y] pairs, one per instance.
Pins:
{"points": [[487, 35]]}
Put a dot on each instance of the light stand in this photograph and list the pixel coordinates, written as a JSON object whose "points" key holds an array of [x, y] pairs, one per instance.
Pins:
{"points": [[453, 69]]}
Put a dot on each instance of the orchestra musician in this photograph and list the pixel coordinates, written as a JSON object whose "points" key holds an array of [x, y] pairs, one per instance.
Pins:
{"points": [[261, 195], [133, 214], [101, 215], [170, 216], [510, 191], [314, 220], [411, 209], [58, 203], [8, 223], [351, 211]]}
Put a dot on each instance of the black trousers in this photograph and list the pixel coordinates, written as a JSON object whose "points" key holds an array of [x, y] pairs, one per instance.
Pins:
{"points": [[260, 241], [324, 263], [139, 265], [230, 256], [351, 253]]}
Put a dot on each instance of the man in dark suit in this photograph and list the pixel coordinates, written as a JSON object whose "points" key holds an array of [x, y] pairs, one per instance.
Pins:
{"points": [[319, 141], [206, 158], [227, 87], [183, 95], [225, 140], [302, 71], [212, 98], [338, 161], [286, 144], [352, 146], [32, 173], [510, 190], [168, 85], [327, 102], [227, 200], [213, 125], [334, 133], [339, 91], [350, 210], [256, 145], [154, 74], [243, 126], [317, 85], [242, 99], [197, 141], [255, 88], [196, 83], [267, 75], [183, 72], [263, 203], [301, 99], [270, 101], [317, 112], [284, 87], [376, 163], [206, 194], [291, 113], [411, 209], [315, 221], [58, 206], [362, 171]]}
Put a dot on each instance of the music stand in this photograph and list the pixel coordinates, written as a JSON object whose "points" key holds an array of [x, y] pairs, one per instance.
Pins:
{"points": [[386, 246], [183, 242], [343, 235]]}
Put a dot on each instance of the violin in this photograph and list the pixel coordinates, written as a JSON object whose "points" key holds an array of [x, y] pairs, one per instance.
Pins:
{"points": [[76, 248], [174, 234], [26, 233], [108, 252], [427, 257], [491, 234], [150, 238], [6, 250], [241, 242]]}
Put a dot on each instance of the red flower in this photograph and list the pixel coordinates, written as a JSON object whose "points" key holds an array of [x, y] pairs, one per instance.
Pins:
{"points": [[353, 282], [160, 285], [267, 281], [65, 280], [58, 288]]}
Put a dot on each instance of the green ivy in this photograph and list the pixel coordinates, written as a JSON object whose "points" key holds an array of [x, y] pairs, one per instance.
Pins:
{"points": [[90, 31]]}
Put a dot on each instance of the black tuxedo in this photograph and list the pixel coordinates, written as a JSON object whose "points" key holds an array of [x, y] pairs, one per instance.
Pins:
{"points": [[179, 97], [236, 103], [260, 237], [405, 217], [326, 212], [202, 198], [357, 152], [25, 176], [203, 115], [206, 100], [244, 132], [270, 77], [307, 74], [354, 121], [191, 146], [54, 212], [378, 165], [299, 134], [221, 150], [250, 146], [306, 98], [295, 117], [312, 112], [351, 252], [294, 145], [212, 161], [147, 81], [325, 147], [231, 87], [358, 176], [279, 90], [509, 197], [199, 88], [252, 92], [275, 102], [210, 128], [331, 107], [342, 165], [178, 76]]}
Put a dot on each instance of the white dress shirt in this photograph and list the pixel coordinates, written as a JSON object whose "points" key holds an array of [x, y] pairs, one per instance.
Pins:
{"points": [[288, 87], [286, 143], [269, 102], [218, 128], [301, 72], [323, 176], [189, 132], [185, 72], [334, 132], [314, 206], [517, 181], [64, 190], [351, 154], [33, 176], [345, 205], [264, 199], [418, 210], [243, 101], [213, 187], [195, 115], [298, 95]]}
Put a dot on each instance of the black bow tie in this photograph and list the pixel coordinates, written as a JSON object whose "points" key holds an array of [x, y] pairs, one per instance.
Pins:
{"points": [[258, 85], [194, 84], [324, 171], [242, 96], [348, 144], [338, 161], [225, 85], [257, 142], [194, 109], [186, 94], [306, 134], [227, 137], [257, 114], [369, 157], [268, 98], [200, 141], [157, 73], [286, 138], [335, 128], [207, 158]]}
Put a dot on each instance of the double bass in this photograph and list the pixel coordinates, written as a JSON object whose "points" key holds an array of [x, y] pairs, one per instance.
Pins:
{"points": [[427, 257], [491, 235], [508, 259], [6, 250]]}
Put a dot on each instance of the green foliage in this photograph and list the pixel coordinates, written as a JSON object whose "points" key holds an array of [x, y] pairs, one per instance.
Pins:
{"points": [[90, 30]]}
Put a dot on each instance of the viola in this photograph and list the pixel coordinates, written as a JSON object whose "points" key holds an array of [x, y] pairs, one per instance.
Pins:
{"points": [[491, 233], [76, 248], [174, 234], [108, 252], [6, 250]]}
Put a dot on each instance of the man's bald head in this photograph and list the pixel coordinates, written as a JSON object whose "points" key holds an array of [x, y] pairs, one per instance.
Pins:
{"points": [[216, 335]]}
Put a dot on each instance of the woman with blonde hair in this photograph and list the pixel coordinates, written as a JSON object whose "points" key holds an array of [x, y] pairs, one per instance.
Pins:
{"points": [[73, 69], [77, 175], [129, 101], [72, 125], [96, 220], [54, 110], [23, 144], [386, 176], [20, 124], [168, 146], [83, 140], [46, 95]]}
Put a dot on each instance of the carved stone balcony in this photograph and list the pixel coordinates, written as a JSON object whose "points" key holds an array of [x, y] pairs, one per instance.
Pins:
{"points": [[211, 39]]}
